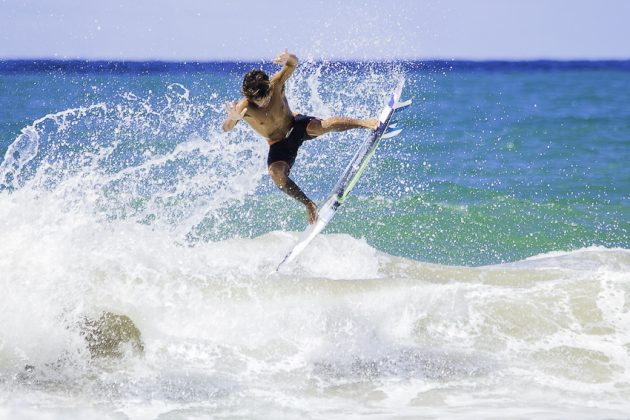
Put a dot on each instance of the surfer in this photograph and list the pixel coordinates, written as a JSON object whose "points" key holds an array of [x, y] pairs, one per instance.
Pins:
{"points": [[266, 109]]}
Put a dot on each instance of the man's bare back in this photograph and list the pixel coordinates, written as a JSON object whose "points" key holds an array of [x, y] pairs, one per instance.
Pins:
{"points": [[266, 109]]}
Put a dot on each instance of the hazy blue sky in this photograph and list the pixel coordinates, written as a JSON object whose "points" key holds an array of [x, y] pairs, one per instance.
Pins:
{"points": [[211, 30]]}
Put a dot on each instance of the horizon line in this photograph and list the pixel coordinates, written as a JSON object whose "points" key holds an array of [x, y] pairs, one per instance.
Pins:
{"points": [[332, 60]]}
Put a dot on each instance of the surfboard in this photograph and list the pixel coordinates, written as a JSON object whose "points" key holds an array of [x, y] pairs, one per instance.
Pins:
{"points": [[386, 129]]}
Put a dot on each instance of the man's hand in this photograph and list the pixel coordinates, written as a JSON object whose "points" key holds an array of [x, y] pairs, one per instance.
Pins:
{"points": [[285, 58], [234, 115], [233, 112]]}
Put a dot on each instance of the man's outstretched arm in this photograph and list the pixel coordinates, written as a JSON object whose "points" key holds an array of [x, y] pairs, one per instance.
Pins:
{"points": [[289, 62], [236, 112]]}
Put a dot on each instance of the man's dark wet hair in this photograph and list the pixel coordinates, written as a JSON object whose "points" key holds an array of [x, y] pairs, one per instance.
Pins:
{"points": [[255, 84]]}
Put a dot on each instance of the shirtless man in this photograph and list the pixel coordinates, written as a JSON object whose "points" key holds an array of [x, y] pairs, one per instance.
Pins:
{"points": [[265, 108]]}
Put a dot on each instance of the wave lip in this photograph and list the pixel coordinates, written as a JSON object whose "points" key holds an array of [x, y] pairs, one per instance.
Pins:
{"points": [[589, 258]]}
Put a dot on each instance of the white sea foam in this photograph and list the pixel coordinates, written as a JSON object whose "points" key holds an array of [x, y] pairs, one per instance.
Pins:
{"points": [[347, 326]]}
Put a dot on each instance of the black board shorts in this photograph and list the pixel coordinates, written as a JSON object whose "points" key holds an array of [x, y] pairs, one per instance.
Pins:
{"points": [[286, 149]]}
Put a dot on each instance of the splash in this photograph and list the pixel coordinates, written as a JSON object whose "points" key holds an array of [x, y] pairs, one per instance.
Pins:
{"points": [[26, 146], [148, 159], [158, 157]]}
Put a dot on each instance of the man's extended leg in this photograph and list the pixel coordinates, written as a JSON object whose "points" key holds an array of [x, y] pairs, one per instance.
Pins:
{"points": [[279, 172], [317, 127]]}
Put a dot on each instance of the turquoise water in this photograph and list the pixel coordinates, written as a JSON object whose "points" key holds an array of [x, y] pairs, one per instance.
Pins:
{"points": [[497, 163], [479, 270]]}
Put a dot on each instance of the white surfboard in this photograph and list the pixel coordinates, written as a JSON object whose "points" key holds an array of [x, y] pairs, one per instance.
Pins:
{"points": [[351, 175]]}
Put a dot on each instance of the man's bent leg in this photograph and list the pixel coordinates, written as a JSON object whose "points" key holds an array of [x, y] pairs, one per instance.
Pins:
{"points": [[279, 172], [317, 127]]}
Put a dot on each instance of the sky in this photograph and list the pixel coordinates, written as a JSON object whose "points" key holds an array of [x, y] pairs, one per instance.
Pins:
{"points": [[208, 30]]}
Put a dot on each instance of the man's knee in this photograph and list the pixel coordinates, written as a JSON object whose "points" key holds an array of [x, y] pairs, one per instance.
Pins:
{"points": [[279, 172], [315, 127]]}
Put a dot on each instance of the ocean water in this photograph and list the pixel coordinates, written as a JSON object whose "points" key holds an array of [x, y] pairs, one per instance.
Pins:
{"points": [[481, 268]]}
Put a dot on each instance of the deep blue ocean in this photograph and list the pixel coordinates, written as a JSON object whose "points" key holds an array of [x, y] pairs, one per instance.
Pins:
{"points": [[480, 268]]}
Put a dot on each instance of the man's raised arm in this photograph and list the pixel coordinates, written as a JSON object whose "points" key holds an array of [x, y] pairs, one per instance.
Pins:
{"points": [[289, 62]]}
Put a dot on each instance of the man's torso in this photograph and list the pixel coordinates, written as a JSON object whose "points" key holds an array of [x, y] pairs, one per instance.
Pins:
{"points": [[273, 121]]}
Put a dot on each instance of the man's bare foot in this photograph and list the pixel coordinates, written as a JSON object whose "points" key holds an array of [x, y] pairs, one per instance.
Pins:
{"points": [[372, 123], [311, 212]]}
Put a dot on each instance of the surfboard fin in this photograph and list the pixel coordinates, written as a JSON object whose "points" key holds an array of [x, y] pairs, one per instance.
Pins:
{"points": [[391, 134], [399, 105]]}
